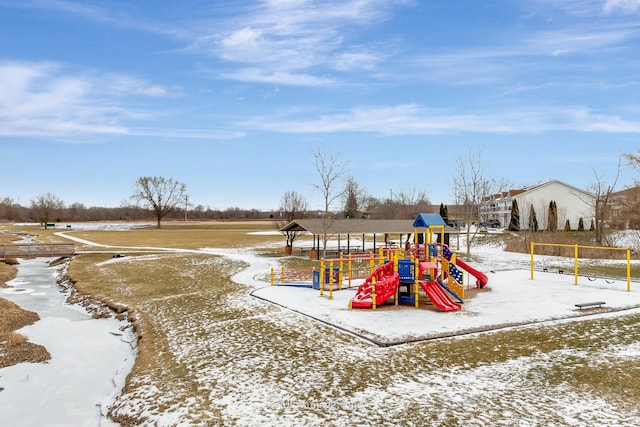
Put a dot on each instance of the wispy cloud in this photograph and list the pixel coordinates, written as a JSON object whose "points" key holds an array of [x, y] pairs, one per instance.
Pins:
{"points": [[306, 39], [295, 37], [541, 55], [413, 119], [120, 17], [47, 99], [624, 6], [277, 77]]}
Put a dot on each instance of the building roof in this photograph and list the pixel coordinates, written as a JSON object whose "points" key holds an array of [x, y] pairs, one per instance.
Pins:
{"points": [[351, 226], [426, 220], [627, 192], [517, 192]]}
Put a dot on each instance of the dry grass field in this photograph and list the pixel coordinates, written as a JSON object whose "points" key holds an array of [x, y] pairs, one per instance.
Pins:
{"points": [[210, 354]]}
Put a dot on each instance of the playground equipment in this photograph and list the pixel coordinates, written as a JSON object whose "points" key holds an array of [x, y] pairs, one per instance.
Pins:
{"points": [[403, 278], [576, 249]]}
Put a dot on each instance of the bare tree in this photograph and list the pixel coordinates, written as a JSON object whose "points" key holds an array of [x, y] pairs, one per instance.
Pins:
{"points": [[331, 169], [45, 206], [400, 205], [631, 201], [355, 198], [633, 159], [158, 195], [293, 206], [7, 208], [602, 192], [409, 203], [470, 187]]}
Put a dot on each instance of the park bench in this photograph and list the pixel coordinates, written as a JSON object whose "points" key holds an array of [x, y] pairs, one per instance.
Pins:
{"points": [[590, 304]]}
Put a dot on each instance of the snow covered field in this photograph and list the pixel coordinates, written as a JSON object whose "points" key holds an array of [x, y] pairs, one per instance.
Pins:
{"points": [[250, 362]]}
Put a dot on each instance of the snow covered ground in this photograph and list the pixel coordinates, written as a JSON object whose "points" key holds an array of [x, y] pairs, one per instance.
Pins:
{"points": [[511, 298], [274, 364]]}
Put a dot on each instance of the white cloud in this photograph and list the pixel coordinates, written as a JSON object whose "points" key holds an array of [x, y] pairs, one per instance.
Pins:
{"points": [[356, 61], [295, 37], [242, 44], [284, 78], [154, 91], [413, 119], [626, 6], [529, 57], [117, 17], [46, 99]]}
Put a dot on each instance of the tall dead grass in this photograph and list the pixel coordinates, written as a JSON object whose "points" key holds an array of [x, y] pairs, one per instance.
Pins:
{"points": [[7, 272], [14, 347]]}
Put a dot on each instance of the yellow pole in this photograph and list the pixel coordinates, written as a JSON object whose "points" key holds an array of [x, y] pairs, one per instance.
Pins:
{"points": [[532, 246], [380, 255], [331, 279], [395, 262], [416, 288], [373, 293], [282, 275], [371, 265], [575, 263], [321, 276], [340, 272], [628, 270], [273, 282], [395, 267], [349, 267]]}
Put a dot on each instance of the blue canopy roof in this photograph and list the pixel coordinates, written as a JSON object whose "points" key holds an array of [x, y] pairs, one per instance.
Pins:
{"points": [[425, 220]]}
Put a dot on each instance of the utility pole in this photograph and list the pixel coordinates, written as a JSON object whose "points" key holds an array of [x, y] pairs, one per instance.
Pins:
{"points": [[186, 206]]}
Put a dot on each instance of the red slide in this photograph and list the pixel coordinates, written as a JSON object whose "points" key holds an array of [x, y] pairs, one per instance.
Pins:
{"points": [[386, 281], [482, 278], [438, 296]]}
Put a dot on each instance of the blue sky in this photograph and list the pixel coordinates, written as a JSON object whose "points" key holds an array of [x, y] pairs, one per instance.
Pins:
{"points": [[231, 97]]}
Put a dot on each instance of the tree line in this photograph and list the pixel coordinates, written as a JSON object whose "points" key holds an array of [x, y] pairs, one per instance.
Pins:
{"points": [[157, 198]]}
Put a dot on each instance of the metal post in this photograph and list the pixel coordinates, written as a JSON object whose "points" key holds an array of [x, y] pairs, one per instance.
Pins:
{"points": [[575, 263], [628, 270], [532, 249]]}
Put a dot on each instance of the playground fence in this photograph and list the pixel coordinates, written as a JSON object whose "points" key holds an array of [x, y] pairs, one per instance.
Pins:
{"points": [[345, 268]]}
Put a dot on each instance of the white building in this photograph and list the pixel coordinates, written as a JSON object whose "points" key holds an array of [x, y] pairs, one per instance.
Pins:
{"points": [[572, 205]]}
